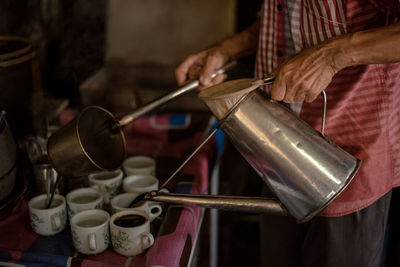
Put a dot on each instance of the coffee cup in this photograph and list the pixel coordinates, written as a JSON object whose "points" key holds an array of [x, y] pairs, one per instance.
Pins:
{"points": [[85, 198], [47, 221], [140, 183], [130, 232], [122, 202], [90, 231], [107, 182], [139, 165]]}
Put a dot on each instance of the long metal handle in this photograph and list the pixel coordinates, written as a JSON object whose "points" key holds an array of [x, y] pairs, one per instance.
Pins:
{"points": [[169, 96], [189, 157], [231, 203]]}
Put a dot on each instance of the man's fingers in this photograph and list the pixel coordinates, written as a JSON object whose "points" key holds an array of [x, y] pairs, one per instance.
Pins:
{"points": [[310, 97], [300, 96], [182, 70], [212, 64], [278, 89], [217, 80]]}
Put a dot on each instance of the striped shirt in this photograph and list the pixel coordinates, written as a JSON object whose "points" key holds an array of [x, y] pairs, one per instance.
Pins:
{"points": [[363, 102]]}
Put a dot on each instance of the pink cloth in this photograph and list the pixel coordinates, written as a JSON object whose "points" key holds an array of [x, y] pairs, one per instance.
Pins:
{"points": [[17, 237]]}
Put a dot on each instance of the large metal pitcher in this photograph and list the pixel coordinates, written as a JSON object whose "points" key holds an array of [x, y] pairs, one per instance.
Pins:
{"points": [[304, 168]]}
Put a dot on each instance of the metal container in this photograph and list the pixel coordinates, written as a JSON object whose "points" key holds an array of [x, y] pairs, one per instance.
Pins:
{"points": [[304, 168], [87, 144], [8, 158], [21, 93], [45, 179]]}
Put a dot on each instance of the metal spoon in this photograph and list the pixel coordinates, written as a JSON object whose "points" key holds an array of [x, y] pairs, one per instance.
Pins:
{"points": [[53, 190]]}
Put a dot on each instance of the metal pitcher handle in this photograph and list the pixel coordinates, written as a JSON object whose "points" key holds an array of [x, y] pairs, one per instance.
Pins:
{"points": [[270, 80], [323, 114]]}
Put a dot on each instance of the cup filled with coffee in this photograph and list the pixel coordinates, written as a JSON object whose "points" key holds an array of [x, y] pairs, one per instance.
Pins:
{"points": [[130, 232], [47, 221], [139, 165], [107, 182], [90, 231], [123, 202], [140, 183], [84, 198]]}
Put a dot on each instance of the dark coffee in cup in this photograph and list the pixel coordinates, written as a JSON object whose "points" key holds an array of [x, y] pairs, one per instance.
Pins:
{"points": [[132, 220]]}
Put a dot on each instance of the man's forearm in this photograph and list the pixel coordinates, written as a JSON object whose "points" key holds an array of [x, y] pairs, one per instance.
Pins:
{"points": [[243, 43], [375, 46]]}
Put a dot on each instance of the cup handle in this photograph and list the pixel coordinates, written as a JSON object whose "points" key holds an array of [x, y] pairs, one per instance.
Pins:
{"points": [[92, 241], [147, 240], [55, 222], [154, 211]]}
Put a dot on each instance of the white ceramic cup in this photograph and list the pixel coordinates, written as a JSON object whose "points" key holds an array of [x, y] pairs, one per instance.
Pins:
{"points": [[90, 231], [140, 183], [121, 202], [84, 198], [107, 182], [130, 240], [47, 221], [139, 165]]}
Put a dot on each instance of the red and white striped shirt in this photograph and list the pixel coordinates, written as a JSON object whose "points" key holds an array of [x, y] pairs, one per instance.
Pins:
{"points": [[363, 102]]}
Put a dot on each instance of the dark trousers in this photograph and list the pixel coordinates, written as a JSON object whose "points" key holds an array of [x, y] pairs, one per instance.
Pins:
{"points": [[354, 240]]}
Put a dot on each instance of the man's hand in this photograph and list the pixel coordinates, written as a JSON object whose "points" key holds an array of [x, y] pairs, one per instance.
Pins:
{"points": [[201, 66], [303, 77]]}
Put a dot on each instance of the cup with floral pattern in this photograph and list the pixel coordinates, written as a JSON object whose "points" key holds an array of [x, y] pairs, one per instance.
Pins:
{"points": [[47, 221], [107, 182], [130, 232], [90, 231], [84, 198]]}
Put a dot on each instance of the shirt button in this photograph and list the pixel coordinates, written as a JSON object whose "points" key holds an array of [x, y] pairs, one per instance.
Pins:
{"points": [[279, 53], [279, 6]]}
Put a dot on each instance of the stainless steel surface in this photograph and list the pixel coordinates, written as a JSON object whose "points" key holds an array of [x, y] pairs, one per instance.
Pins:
{"points": [[230, 203], [169, 96], [189, 157], [305, 169], [45, 179], [87, 144], [323, 114], [8, 158], [268, 80]]}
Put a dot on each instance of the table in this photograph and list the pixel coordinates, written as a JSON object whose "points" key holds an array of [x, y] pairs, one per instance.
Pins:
{"points": [[169, 138]]}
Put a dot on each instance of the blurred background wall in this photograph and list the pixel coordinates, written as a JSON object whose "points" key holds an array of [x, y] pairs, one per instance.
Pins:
{"points": [[77, 38]]}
